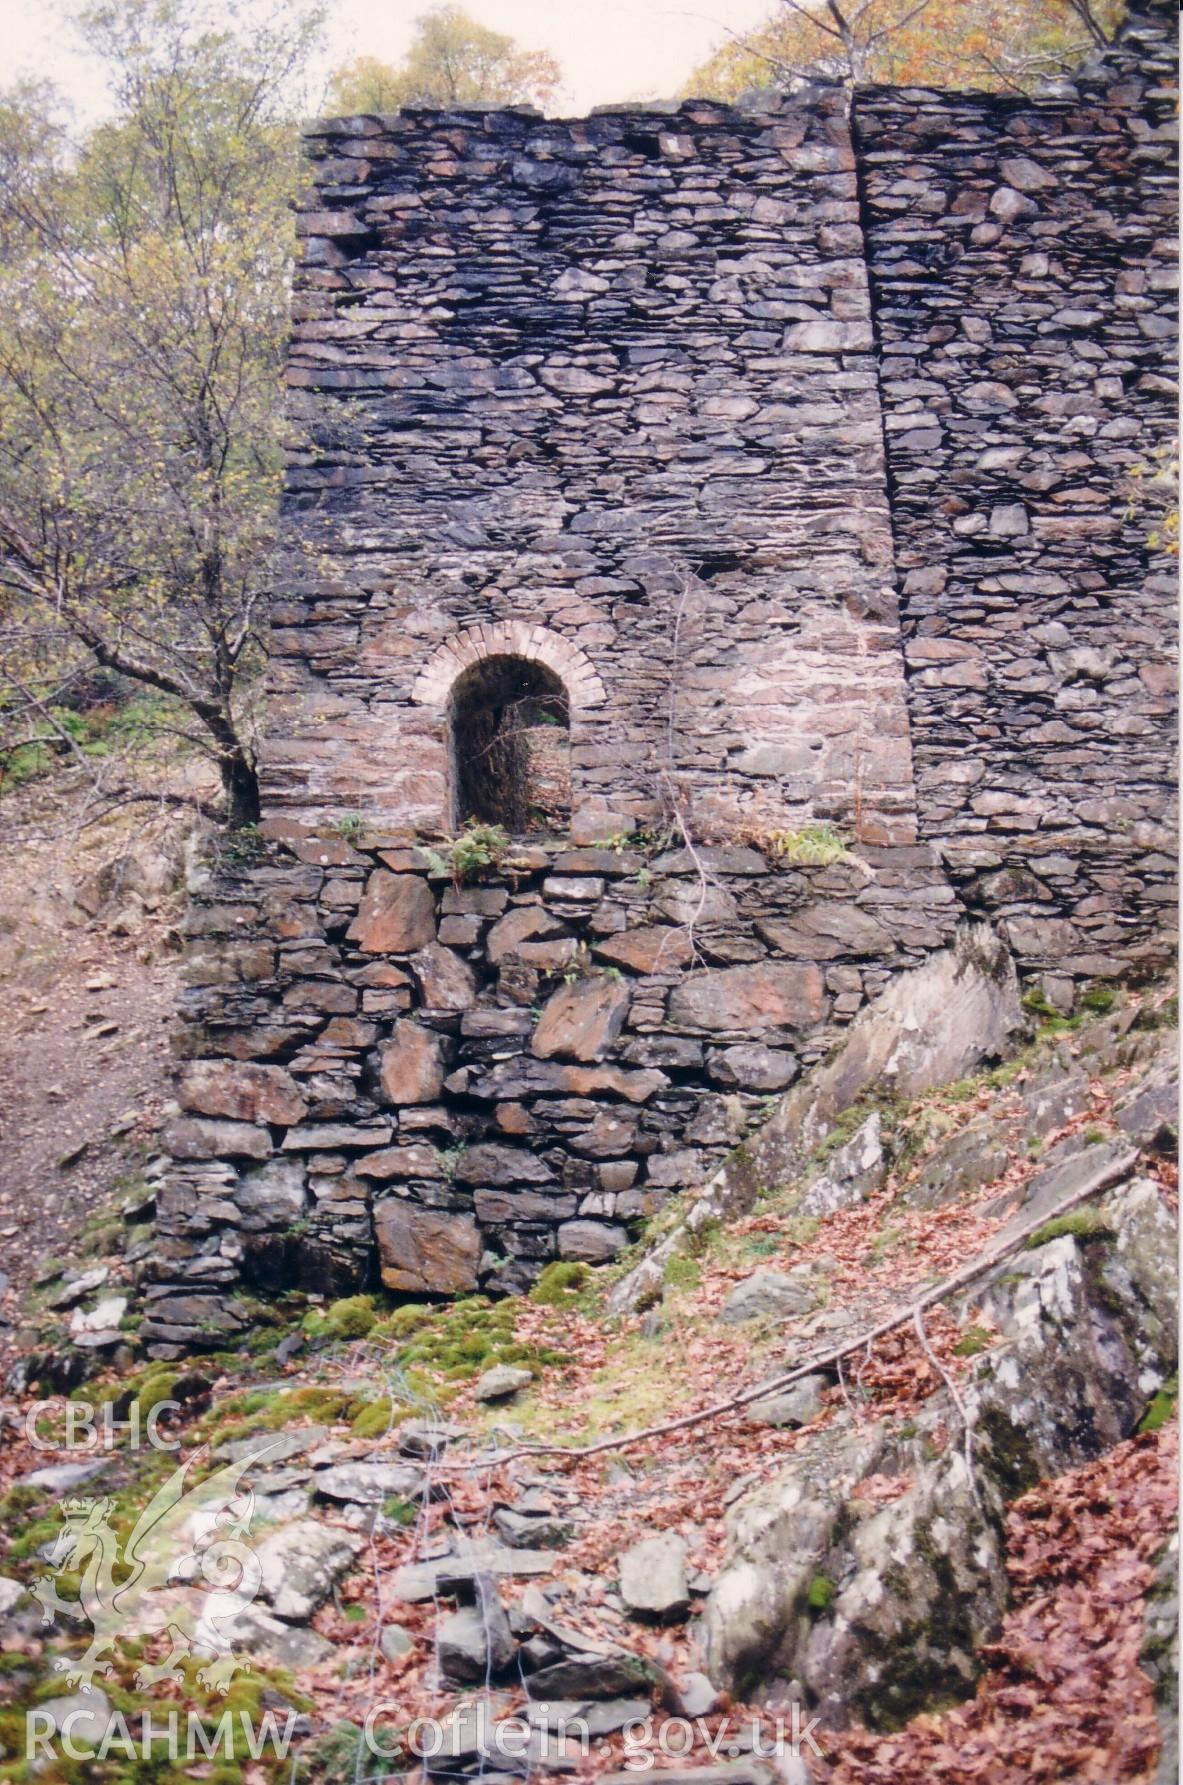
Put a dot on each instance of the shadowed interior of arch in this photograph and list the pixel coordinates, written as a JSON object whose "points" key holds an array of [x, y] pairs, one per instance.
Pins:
{"points": [[509, 725]]}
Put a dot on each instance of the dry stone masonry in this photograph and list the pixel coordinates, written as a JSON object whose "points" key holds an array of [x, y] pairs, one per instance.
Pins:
{"points": [[794, 458], [599, 395], [1022, 257], [445, 1087]]}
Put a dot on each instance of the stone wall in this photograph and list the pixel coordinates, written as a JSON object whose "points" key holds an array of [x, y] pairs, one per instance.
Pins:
{"points": [[611, 396], [600, 394], [1022, 258], [392, 1077]]}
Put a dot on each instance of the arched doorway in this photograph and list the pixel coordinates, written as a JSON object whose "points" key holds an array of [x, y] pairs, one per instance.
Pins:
{"points": [[509, 720]]}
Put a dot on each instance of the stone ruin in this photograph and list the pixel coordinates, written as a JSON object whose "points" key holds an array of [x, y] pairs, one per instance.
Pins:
{"points": [[680, 488]]}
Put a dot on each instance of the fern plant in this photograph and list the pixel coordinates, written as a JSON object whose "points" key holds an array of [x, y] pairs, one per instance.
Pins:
{"points": [[814, 845], [477, 846]]}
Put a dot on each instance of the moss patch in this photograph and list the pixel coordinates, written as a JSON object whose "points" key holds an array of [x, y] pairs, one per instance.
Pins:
{"points": [[460, 1340], [681, 1272], [973, 1340], [561, 1284], [400, 1511], [351, 1318], [378, 1418], [1079, 1224], [1161, 1407], [820, 1594]]}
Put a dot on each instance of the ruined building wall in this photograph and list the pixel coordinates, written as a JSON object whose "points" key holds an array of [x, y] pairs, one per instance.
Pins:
{"points": [[1022, 257], [600, 394], [612, 397]]}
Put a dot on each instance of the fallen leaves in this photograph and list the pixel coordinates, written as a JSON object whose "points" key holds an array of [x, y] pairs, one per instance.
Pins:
{"points": [[1063, 1697]]}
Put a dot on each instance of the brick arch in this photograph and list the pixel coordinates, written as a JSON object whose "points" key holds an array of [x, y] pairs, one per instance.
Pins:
{"points": [[509, 638]]}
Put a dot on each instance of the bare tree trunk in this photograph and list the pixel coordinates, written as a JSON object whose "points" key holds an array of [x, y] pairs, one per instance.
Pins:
{"points": [[240, 784]]}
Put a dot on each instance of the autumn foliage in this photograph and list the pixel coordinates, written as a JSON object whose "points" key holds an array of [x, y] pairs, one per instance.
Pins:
{"points": [[1006, 45]]}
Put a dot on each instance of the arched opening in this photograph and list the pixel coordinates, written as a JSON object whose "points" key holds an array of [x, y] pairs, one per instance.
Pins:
{"points": [[510, 726]]}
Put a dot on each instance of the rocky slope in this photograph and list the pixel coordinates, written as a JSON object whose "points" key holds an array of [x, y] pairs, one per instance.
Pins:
{"points": [[891, 1444]]}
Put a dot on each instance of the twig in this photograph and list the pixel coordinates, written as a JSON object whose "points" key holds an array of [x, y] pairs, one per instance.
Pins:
{"points": [[967, 1423], [850, 1407], [705, 878], [668, 774], [861, 1372]]}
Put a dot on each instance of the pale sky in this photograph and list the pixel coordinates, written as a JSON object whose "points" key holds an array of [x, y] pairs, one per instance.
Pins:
{"points": [[610, 50]]}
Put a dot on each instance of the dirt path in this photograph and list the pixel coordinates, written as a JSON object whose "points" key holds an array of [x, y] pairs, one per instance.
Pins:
{"points": [[84, 1046]]}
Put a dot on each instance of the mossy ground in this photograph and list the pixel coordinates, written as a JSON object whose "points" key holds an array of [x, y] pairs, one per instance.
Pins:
{"points": [[631, 1388], [29, 1680], [973, 1341], [563, 1284]]}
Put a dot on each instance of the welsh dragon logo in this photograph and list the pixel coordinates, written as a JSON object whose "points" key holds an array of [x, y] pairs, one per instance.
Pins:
{"points": [[185, 1536]]}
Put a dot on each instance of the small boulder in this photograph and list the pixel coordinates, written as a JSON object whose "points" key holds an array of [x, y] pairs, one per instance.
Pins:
{"points": [[1026, 175], [201, 1137], [83, 1718], [749, 1067], [964, 1161], [768, 1295], [598, 1717], [417, 1581], [395, 1642], [529, 933], [241, 1091], [654, 948], [794, 1406], [258, 1633], [502, 1381], [446, 982], [77, 1287], [591, 1242], [476, 1641], [1053, 1106], [591, 1676], [698, 1695], [653, 1579], [749, 1000], [60, 1478], [104, 1317], [11, 1593], [536, 1531], [826, 930], [272, 1448], [1009, 205], [426, 1250], [1150, 1114], [410, 1065], [427, 1438], [369, 1484], [396, 916], [582, 1020], [300, 1564], [271, 1195]]}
